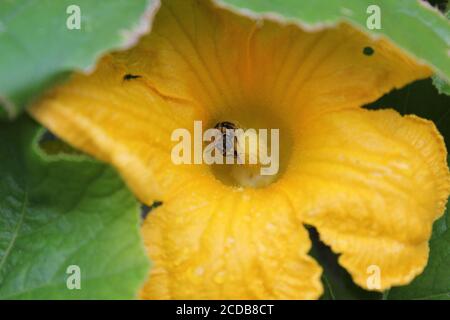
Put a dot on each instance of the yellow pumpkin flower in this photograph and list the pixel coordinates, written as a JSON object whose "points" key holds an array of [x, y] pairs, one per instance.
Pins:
{"points": [[371, 182]]}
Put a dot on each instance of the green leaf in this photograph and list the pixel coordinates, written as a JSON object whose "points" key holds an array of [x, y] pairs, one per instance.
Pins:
{"points": [[37, 48], [58, 211], [411, 24], [422, 99], [440, 83]]}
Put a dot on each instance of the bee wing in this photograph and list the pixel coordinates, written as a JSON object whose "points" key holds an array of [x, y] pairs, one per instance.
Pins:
{"points": [[240, 160], [210, 147]]}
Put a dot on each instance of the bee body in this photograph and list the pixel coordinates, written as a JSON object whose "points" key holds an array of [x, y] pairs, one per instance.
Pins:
{"points": [[228, 142]]}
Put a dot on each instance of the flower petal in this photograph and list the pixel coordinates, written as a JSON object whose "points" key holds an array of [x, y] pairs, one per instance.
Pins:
{"points": [[372, 183], [199, 62], [213, 243], [123, 122], [229, 62]]}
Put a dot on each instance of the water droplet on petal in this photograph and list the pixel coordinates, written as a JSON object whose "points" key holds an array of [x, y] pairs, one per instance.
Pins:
{"points": [[271, 227], [199, 271]]}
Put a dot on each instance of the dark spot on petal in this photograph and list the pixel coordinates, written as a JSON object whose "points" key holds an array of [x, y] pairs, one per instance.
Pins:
{"points": [[368, 51], [130, 77]]}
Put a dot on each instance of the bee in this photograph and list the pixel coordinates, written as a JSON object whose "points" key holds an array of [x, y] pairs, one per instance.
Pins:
{"points": [[228, 142]]}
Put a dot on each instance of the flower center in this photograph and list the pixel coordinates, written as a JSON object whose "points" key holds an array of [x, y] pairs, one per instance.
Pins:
{"points": [[255, 146]]}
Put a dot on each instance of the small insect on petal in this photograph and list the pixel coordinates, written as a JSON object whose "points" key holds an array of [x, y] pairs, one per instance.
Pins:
{"points": [[129, 76]]}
